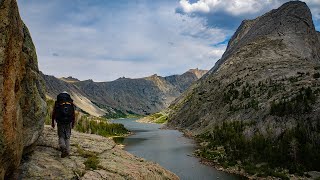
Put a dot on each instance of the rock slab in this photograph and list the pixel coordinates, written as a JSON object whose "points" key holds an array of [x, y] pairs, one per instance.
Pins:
{"points": [[113, 162]]}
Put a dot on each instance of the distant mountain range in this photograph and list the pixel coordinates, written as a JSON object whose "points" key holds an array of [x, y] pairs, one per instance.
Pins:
{"points": [[123, 96]]}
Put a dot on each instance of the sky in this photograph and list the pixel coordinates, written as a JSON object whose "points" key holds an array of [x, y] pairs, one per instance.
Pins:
{"points": [[104, 40]]}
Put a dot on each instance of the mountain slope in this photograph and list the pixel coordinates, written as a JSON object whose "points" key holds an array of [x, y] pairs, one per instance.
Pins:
{"points": [[264, 87], [54, 86], [124, 95], [256, 54]]}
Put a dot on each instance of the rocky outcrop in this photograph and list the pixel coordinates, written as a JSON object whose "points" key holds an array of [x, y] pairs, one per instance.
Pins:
{"points": [[184, 81], [23, 106], [111, 162], [198, 72], [70, 79], [130, 96]]}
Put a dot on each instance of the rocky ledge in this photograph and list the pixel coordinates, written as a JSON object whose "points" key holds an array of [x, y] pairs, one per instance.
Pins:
{"points": [[91, 157]]}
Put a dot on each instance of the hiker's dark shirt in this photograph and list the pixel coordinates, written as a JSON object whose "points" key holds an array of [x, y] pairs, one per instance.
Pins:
{"points": [[53, 117]]}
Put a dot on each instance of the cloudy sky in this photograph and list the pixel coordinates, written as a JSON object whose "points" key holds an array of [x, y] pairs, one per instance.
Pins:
{"points": [[107, 39]]}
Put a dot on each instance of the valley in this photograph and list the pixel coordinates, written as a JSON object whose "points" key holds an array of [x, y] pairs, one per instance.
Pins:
{"points": [[255, 114]]}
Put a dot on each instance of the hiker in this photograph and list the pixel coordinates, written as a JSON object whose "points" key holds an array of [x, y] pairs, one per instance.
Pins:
{"points": [[63, 113]]}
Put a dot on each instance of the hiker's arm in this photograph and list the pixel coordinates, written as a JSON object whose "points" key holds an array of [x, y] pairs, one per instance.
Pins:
{"points": [[53, 117]]}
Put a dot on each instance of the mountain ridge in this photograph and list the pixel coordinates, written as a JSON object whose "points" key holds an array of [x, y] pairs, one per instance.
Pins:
{"points": [[134, 96]]}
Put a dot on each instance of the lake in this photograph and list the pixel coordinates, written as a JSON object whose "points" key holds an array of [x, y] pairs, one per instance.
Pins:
{"points": [[169, 148]]}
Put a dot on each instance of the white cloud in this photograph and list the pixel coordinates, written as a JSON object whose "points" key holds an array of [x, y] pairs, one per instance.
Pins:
{"points": [[103, 44], [234, 7], [199, 6], [240, 7], [315, 9]]}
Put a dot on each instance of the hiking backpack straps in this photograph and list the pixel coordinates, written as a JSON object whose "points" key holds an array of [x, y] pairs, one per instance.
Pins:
{"points": [[64, 108]]}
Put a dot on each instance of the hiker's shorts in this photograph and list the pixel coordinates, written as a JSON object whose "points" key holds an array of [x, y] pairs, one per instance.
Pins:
{"points": [[64, 131]]}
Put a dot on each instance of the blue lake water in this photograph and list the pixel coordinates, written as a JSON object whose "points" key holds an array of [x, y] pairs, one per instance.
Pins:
{"points": [[170, 149]]}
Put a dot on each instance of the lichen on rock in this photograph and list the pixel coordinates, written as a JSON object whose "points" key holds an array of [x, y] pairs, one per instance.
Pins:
{"points": [[22, 107]]}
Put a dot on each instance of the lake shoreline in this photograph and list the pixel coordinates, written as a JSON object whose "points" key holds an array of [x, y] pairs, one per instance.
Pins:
{"points": [[234, 170], [203, 161], [215, 172]]}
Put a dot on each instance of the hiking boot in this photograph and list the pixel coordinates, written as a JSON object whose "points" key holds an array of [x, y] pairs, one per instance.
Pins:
{"points": [[64, 154]]}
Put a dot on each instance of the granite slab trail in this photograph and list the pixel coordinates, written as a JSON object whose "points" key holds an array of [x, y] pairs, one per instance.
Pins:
{"points": [[114, 163]]}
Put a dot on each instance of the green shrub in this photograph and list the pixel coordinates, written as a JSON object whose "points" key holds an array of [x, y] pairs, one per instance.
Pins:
{"points": [[92, 163], [84, 153], [100, 127], [118, 139], [162, 120]]}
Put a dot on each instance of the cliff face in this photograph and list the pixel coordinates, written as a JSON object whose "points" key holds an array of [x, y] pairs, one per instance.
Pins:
{"points": [[291, 23], [280, 48], [139, 96], [22, 90]]}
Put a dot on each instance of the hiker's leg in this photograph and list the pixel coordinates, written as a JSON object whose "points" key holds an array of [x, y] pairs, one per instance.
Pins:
{"points": [[62, 144], [64, 151], [67, 145], [67, 137]]}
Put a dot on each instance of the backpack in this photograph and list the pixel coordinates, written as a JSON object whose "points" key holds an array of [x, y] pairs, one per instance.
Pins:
{"points": [[64, 109]]}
